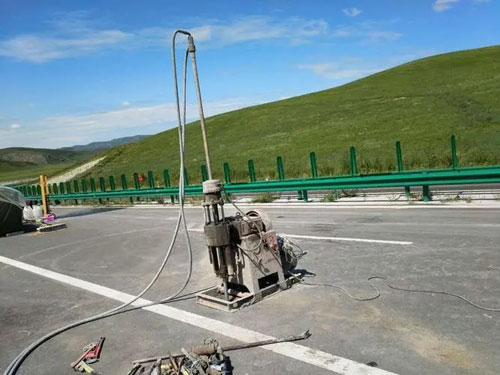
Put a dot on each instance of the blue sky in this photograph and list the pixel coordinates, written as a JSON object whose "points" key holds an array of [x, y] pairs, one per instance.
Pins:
{"points": [[73, 72]]}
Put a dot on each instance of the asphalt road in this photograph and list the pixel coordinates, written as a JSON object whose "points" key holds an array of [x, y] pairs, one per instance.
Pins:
{"points": [[451, 249]]}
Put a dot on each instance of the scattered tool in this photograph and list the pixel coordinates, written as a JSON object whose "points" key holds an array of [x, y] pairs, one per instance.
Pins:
{"points": [[91, 354], [94, 354], [208, 349]]}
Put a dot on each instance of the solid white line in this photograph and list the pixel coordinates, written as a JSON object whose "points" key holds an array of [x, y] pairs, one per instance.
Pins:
{"points": [[332, 238], [349, 239], [299, 352]]}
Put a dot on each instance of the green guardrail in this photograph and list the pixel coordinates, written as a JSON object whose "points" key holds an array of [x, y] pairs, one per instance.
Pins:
{"points": [[399, 178]]}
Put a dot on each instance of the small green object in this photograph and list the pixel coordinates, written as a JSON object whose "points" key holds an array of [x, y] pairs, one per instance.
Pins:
{"points": [[426, 193], [112, 185], [305, 196], [137, 184], [92, 185], [454, 158], [102, 183], [314, 167], [353, 161], [204, 172], [186, 177], [281, 170], [251, 170], [227, 173], [151, 180], [123, 179], [84, 185], [75, 186], [55, 189], [61, 187], [399, 156], [68, 187], [166, 178]]}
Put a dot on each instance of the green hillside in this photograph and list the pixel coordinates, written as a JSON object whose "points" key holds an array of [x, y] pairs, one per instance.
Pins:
{"points": [[419, 103], [23, 162]]}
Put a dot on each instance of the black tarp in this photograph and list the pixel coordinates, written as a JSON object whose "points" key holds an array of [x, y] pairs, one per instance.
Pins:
{"points": [[11, 210]]}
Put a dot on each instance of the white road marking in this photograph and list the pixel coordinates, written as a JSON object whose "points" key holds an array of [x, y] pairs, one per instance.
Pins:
{"points": [[349, 239], [298, 352], [332, 238]]}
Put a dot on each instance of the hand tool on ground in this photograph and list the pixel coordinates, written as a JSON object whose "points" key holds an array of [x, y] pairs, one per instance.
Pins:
{"points": [[94, 354], [87, 350], [211, 348]]}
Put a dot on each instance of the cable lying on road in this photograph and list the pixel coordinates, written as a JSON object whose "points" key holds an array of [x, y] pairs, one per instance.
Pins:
{"points": [[21, 357], [377, 290]]}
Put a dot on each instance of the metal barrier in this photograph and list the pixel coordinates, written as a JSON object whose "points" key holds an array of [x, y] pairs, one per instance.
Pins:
{"points": [[399, 178]]}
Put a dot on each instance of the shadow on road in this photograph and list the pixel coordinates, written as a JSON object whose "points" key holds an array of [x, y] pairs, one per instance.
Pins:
{"points": [[87, 211]]}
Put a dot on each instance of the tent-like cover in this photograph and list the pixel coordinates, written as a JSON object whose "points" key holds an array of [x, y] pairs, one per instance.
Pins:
{"points": [[11, 210]]}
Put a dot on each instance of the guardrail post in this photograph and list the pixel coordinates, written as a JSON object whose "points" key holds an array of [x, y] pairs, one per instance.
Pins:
{"points": [[28, 190], [204, 172], [84, 185], [151, 180], [314, 167], [68, 187], [454, 159], [92, 185], [302, 195], [55, 190], [49, 186], [353, 162], [399, 158], [102, 184], [166, 178], [186, 177], [61, 187], [123, 179], [75, 189], [426, 193], [281, 170], [112, 185], [227, 173], [251, 170], [137, 184]]}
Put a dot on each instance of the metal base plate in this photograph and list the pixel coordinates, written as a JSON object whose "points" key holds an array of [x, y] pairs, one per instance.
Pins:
{"points": [[214, 299]]}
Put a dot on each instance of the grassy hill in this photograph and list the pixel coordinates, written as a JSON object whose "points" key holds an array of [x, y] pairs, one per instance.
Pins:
{"points": [[23, 162], [420, 103]]}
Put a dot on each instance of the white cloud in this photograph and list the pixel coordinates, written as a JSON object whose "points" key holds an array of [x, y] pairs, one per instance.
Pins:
{"points": [[442, 5], [40, 49], [350, 68], [15, 126], [59, 131], [352, 12], [125, 104], [74, 38], [366, 32], [337, 71]]}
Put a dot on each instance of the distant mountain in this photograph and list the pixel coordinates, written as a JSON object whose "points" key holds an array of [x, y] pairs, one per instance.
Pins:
{"points": [[104, 145], [18, 163]]}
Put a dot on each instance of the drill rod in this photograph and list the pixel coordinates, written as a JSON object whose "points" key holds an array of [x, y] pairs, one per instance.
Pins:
{"points": [[302, 336]]}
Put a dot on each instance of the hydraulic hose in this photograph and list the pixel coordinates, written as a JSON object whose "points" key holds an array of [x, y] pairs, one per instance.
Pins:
{"points": [[14, 366]]}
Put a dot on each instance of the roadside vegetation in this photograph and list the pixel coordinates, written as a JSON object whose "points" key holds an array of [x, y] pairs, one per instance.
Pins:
{"points": [[421, 104]]}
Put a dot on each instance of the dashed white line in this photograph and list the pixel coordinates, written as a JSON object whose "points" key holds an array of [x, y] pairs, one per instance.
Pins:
{"points": [[349, 239], [298, 352]]}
